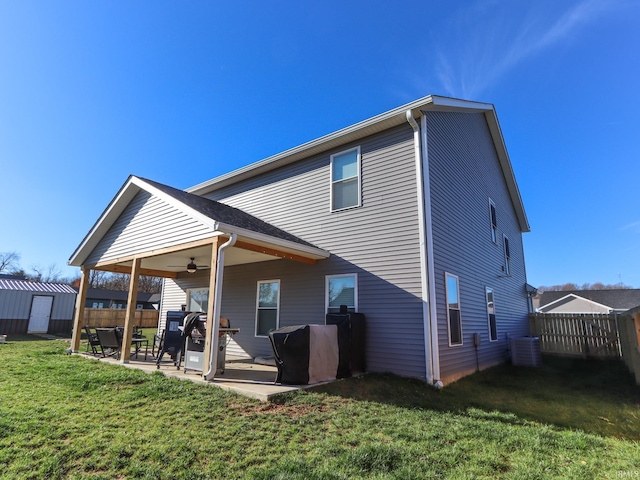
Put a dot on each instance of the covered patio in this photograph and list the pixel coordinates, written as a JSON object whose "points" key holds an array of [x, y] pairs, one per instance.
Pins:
{"points": [[241, 375], [156, 230]]}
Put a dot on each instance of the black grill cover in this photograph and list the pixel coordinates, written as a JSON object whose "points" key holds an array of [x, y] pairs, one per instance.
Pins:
{"points": [[173, 341], [291, 351], [344, 342], [351, 342]]}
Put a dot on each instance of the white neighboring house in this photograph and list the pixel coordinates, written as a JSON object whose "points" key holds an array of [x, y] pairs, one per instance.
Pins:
{"points": [[589, 301]]}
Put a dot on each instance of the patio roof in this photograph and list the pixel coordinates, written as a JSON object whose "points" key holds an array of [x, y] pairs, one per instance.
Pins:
{"points": [[168, 255], [157, 230]]}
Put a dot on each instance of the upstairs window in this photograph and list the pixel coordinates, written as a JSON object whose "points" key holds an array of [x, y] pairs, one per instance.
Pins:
{"points": [[268, 306], [453, 309], [507, 256], [345, 179], [491, 315], [494, 221], [342, 290]]}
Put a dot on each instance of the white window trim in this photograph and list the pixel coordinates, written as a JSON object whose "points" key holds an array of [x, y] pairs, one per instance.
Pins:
{"points": [[331, 181], [507, 258], [188, 298], [258, 306], [446, 295], [486, 296], [493, 232], [341, 275]]}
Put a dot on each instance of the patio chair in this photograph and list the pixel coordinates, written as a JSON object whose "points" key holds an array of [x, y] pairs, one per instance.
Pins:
{"points": [[110, 340], [92, 340], [158, 341]]}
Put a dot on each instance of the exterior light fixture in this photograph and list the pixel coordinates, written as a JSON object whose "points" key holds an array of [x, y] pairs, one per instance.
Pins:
{"points": [[192, 267]]}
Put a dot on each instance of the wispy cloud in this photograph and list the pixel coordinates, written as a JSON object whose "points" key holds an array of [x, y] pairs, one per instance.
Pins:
{"points": [[499, 37], [633, 227]]}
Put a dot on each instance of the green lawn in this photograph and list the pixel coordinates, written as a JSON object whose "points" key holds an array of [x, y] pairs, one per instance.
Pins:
{"points": [[66, 416]]}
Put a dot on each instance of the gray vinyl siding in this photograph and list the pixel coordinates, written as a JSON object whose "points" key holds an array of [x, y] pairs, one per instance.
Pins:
{"points": [[147, 223], [378, 241], [464, 173]]}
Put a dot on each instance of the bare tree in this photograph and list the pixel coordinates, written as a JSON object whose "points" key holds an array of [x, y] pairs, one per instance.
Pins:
{"points": [[50, 274], [9, 262], [150, 284], [585, 286], [120, 282]]}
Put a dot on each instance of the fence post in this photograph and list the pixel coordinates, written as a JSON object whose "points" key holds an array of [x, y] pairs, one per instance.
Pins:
{"points": [[532, 325]]}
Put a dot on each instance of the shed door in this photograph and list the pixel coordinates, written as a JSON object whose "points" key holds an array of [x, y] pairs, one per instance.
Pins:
{"points": [[40, 314]]}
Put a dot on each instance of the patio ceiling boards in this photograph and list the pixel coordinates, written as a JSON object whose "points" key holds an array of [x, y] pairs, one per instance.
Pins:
{"points": [[165, 226]]}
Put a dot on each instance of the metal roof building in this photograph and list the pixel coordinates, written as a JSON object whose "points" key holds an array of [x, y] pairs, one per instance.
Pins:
{"points": [[35, 307]]}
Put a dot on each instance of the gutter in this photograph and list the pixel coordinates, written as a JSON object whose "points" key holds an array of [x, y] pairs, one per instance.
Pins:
{"points": [[217, 301], [427, 275]]}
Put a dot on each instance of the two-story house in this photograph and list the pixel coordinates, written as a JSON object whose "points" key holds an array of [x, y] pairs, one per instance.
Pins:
{"points": [[412, 217]]}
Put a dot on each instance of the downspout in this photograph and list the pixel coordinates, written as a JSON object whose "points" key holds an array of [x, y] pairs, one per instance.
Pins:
{"points": [[427, 276], [217, 300]]}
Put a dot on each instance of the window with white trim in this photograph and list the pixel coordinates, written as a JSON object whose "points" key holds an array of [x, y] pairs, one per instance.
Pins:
{"points": [[267, 307], [454, 320], [345, 179], [491, 315], [197, 299], [493, 218], [507, 256], [341, 290]]}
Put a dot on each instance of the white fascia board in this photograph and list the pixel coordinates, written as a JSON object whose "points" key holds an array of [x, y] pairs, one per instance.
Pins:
{"points": [[127, 192], [507, 169], [208, 221], [385, 120], [104, 222], [133, 185], [285, 245]]}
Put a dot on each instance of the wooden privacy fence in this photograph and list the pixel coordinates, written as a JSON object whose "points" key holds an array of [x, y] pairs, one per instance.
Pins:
{"points": [[629, 323], [586, 335], [111, 317]]}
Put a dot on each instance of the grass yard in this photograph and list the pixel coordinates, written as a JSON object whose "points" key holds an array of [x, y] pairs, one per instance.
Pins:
{"points": [[69, 417]]}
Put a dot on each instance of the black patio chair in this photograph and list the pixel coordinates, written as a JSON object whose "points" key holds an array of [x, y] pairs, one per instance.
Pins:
{"points": [[110, 340], [158, 341], [92, 340]]}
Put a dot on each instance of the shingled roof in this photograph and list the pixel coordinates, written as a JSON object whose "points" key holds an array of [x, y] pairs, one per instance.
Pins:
{"points": [[618, 299], [214, 215], [226, 214]]}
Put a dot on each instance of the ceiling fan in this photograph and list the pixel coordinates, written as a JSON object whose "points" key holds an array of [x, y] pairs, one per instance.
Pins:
{"points": [[191, 266]]}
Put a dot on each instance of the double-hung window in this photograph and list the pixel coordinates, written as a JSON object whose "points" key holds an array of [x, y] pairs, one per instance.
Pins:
{"points": [[494, 221], [507, 256], [345, 179], [453, 309], [267, 307], [341, 290], [491, 315]]}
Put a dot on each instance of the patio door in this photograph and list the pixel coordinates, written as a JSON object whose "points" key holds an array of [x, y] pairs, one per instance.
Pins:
{"points": [[40, 314]]}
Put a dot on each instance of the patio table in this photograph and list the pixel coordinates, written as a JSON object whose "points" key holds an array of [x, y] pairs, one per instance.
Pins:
{"points": [[139, 342]]}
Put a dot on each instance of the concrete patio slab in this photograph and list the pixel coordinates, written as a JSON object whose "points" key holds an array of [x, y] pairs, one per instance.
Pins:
{"points": [[241, 375]]}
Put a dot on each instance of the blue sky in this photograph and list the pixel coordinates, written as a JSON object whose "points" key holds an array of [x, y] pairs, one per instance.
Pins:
{"points": [[181, 92]]}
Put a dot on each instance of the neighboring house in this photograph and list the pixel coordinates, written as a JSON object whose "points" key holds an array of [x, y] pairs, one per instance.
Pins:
{"points": [[412, 217], [35, 307], [589, 301], [102, 298]]}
